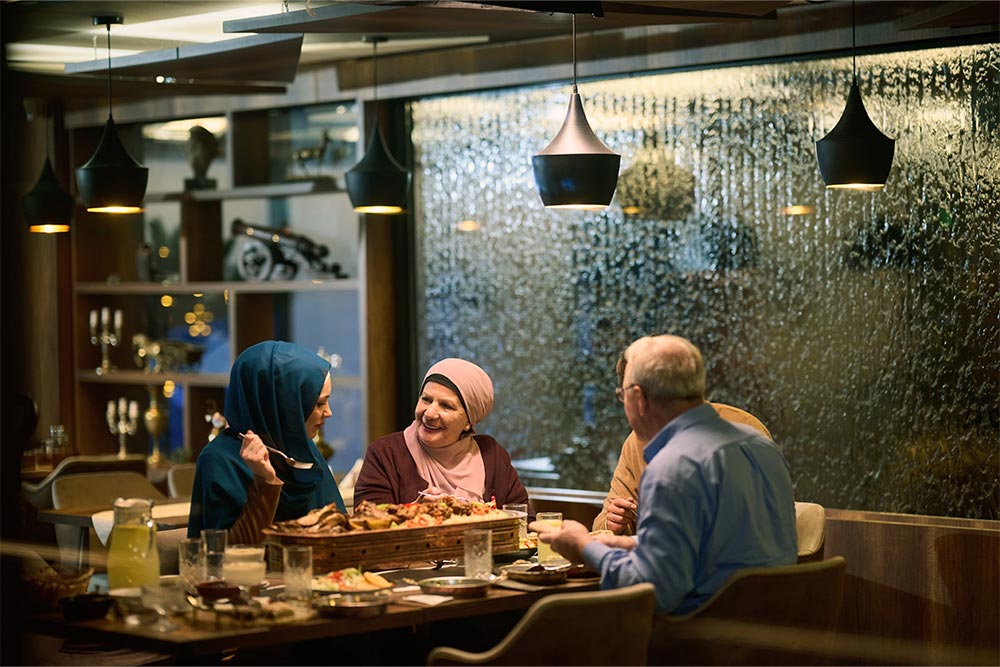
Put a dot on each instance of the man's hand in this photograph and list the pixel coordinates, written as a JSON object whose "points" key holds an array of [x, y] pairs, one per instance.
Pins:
{"points": [[255, 455], [568, 540], [622, 513], [616, 541]]}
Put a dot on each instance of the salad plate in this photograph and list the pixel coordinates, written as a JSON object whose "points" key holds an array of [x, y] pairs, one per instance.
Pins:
{"points": [[350, 580]]}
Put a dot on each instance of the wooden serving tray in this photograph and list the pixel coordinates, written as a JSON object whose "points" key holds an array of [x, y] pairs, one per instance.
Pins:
{"points": [[367, 548]]}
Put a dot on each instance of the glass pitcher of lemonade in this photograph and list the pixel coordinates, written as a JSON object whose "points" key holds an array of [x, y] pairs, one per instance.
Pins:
{"points": [[132, 556]]}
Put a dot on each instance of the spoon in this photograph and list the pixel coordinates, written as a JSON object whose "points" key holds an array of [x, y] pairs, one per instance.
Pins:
{"points": [[300, 465]]}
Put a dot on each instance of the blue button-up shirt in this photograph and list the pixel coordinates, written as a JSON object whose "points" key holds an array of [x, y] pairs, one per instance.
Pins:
{"points": [[715, 497]]}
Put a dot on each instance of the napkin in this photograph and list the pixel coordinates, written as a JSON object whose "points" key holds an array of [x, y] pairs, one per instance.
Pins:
{"points": [[103, 521], [399, 590], [428, 600]]}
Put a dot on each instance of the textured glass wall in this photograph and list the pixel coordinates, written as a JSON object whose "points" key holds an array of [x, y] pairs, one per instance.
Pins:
{"points": [[864, 333]]}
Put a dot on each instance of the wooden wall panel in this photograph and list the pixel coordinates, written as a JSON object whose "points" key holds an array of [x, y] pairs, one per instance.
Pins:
{"points": [[931, 579], [381, 325]]}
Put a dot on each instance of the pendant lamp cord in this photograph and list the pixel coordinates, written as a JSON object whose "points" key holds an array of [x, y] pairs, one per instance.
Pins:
{"points": [[109, 70], [375, 81], [574, 53], [854, 43]]}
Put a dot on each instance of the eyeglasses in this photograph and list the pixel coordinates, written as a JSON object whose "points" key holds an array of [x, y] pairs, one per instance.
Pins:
{"points": [[620, 391]]}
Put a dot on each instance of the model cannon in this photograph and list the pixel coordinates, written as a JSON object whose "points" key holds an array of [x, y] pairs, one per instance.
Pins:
{"points": [[269, 253]]}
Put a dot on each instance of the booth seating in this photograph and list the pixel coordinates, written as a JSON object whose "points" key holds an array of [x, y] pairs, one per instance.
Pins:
{"points": [[591, 628]]}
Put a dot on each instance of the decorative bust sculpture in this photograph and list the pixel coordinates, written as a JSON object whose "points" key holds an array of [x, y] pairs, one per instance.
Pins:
{"points": [[202, 148]]}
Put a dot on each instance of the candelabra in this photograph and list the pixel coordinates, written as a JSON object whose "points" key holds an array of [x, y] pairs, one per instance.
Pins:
{"points": [[123, 422], [106, 337]]}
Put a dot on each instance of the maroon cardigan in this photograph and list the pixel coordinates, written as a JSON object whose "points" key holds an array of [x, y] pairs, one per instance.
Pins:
{"points": [[389, 474]]}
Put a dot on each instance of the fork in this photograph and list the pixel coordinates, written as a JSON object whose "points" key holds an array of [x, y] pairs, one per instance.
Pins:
{"points": [[300, 465]]}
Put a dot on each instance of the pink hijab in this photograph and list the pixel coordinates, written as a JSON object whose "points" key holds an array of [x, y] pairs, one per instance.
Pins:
{"points": [[456, 469]]}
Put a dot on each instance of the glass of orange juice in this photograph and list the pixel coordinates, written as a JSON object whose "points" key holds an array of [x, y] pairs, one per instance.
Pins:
{"points": [[545, 551]]}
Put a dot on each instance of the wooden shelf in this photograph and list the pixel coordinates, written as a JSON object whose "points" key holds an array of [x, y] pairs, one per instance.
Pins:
{"points": [[271, 287], [137, 377], [254, 310], [289, 189]]}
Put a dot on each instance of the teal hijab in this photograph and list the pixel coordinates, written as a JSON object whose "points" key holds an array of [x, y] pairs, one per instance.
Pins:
{"points": [[273, 388]]}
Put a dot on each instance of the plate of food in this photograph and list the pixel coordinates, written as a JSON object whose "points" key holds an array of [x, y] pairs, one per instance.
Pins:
{"points": [[364, 604], [459, 587], [582, 571], [537, 574], [350, 580]]}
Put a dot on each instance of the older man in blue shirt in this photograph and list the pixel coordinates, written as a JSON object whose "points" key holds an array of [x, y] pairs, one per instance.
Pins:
{"points": [[716, 496]]}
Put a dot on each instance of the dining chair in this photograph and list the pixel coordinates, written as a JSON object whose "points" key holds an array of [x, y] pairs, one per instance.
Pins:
{"points": [[40, 494], [180, 480], [750, 619], [94, 489], [589, 628], [810, 529]]}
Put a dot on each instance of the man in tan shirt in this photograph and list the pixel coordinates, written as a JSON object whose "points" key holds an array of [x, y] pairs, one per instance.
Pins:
{"points": [[622, 502]]}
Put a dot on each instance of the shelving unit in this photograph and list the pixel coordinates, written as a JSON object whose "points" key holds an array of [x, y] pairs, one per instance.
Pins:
{"points": [[107, 274]]}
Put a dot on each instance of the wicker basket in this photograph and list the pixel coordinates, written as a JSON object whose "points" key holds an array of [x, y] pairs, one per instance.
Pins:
{"points": [[368, 548], [44, 589]]}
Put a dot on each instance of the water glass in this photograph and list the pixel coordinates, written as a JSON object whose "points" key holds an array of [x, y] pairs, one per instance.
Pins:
{"points": [[151, 596], [173, 595], [190, 564], [298, 571], [521, 510], [478, 554], [545, 552], [244, 565], [213, 549]]}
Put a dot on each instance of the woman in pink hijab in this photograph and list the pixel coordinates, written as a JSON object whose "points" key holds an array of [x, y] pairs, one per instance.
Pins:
{"points": [[440, 452]]}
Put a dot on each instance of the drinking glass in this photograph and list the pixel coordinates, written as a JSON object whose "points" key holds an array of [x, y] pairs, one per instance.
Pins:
{"points": [[190, 564], [298, 571], [545, 552], [244, 565], [152, 597], [213, 549], [478, 554], [57, 432], [522, 513]]}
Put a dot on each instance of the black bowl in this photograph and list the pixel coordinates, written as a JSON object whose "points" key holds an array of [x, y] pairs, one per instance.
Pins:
{"points": [[511, 556], [85, 607], [212, 591]]}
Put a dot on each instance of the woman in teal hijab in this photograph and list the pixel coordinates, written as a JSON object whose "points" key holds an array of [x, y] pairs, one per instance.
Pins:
{"points": [[279, 394]]}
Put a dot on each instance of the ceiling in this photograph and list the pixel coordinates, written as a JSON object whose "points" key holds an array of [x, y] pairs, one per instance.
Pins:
{"points": [[229, 46]]}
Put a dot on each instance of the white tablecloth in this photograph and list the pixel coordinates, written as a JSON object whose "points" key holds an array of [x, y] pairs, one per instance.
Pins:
{"points": [[103, 521]]}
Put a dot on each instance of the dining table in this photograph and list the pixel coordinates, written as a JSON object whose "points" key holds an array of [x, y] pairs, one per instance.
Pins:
{"points": [[166, 516], [201, 634]]}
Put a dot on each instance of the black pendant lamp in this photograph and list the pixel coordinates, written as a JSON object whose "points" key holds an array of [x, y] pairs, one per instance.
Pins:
{"points": [[855, 155], [47, 208], [378, 183], [576, 170], [111, 181]]}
